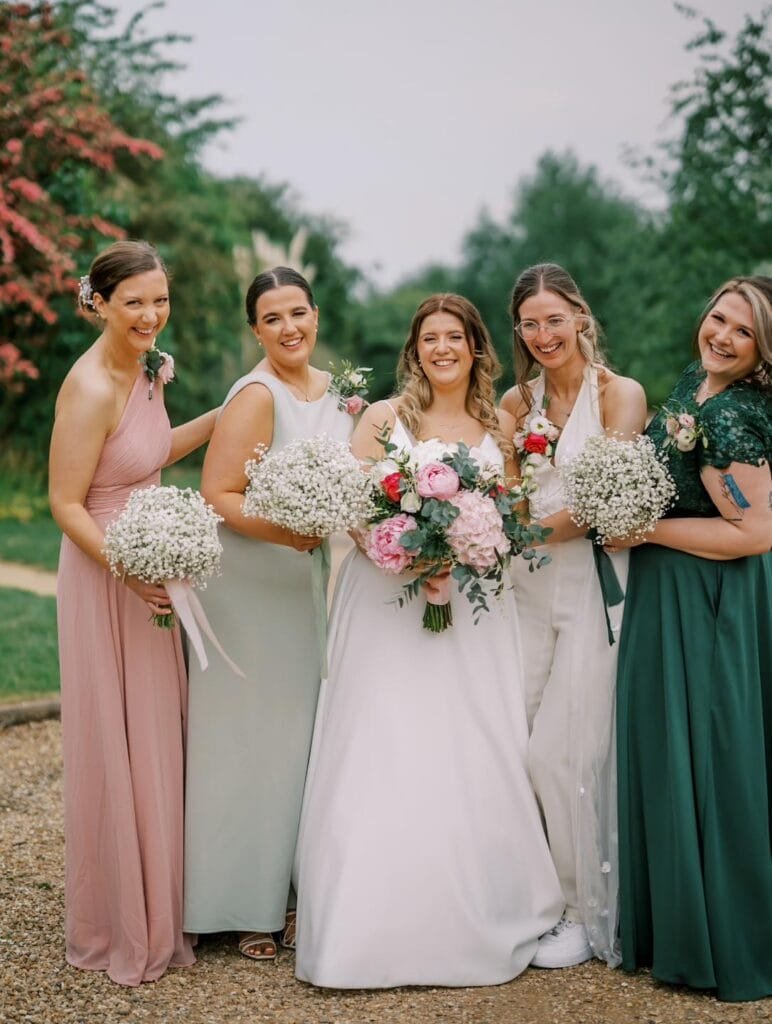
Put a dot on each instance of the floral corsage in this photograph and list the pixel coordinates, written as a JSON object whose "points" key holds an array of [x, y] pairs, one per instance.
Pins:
{"points": [[157, 366], [351, 384], [683, 430], [535, 445]]}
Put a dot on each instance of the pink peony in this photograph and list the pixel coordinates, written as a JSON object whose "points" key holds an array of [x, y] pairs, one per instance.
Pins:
{"points": [[355, 405], [383, 546], [437, 480], [476, 535], [166, 369]]}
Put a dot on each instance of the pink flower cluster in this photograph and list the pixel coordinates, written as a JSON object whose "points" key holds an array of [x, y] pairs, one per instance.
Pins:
{"points": [[476, 535], [383, 546], [437, 480], [166, 369]]}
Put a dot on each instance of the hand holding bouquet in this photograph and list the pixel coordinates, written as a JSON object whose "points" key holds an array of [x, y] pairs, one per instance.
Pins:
{"points": [[617, 488], [163, 534], [315, 487], [440, 508], [169, 536]]}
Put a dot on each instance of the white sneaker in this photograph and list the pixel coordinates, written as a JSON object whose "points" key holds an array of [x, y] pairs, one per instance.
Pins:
{"points": [[564, 946]]}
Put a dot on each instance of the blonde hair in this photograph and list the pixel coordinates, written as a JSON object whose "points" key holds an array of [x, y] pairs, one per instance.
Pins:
{"points": [[551, 277], [757, 292], [415, 390]]}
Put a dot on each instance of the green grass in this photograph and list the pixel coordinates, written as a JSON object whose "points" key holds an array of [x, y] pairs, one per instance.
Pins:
{"points": [[34, 543], [29, 663]]}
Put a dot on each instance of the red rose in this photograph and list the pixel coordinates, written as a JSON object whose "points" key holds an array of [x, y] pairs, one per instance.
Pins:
{"points": [[391, 486], [536, 444]]}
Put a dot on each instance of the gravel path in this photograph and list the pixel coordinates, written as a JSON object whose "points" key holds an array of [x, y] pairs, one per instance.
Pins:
{"points": [[37, 986], [23, 577]]}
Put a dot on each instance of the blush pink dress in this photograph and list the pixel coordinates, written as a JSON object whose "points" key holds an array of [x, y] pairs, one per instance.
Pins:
{"points": [[123, 688]]}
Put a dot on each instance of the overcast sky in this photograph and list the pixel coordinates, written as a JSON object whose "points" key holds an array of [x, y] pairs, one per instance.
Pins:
{"points": [[404, 118]]}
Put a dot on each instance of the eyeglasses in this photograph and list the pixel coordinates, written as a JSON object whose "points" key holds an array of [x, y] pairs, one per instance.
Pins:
{"points": [[529, 329]]}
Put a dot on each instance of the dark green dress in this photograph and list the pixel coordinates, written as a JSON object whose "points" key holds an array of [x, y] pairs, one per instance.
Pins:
{"points": [[695, 731]]}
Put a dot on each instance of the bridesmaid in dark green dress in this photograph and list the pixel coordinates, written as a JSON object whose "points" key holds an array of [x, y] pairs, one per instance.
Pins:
{"points": [[695, 674]]}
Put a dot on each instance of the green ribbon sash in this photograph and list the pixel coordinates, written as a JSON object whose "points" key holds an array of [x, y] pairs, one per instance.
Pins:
{"points": [[610, 588], [320, 577]]}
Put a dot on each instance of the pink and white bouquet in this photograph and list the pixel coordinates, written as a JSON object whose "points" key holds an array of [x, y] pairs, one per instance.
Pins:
{"points": [[441, 507]]}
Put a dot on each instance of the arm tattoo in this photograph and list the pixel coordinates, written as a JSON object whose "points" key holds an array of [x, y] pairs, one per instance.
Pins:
{"points": [[735, 497]]}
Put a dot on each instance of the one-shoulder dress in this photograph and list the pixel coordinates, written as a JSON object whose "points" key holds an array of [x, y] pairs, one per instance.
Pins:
{"points": [[123, 690]]}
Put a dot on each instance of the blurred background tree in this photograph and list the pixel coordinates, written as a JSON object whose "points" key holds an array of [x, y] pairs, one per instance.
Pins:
{"points": [[93, 146]]}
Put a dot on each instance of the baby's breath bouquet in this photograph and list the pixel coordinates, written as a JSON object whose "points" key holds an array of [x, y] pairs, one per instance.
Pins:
{"points": [[165, 534], [617, 488], [313, 486]]}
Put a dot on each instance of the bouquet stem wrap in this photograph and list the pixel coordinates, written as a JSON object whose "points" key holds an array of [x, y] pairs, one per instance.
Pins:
{"points": [[610, 587], [191, 614], [320, 577], [438, 614]]}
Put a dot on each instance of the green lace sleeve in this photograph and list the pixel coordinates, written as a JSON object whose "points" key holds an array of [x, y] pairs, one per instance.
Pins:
{"points": [[737, 424]]}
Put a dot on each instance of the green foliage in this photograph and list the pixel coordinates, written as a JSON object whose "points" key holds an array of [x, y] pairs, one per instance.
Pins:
{"points": [[34, 542], [28, 645]]}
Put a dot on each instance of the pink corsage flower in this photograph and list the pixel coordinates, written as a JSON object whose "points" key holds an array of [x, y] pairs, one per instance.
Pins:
{"points": [[166, 369], [437, 480], [355, 405], [383, 546]]}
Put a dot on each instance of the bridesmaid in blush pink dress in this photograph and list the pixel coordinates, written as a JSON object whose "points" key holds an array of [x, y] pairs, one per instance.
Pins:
{"points": [[123, 680]]}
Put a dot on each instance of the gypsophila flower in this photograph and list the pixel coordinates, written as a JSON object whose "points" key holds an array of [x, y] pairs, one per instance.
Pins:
{"points": [[313, 486], [618, 488], [165, 533]]}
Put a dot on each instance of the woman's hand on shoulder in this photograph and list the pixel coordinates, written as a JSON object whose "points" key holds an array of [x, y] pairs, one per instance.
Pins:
{"points": [[377, 419], [623, 405]]}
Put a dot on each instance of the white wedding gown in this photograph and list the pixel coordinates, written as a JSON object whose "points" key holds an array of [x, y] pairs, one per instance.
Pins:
{"points": [[421, 858]]}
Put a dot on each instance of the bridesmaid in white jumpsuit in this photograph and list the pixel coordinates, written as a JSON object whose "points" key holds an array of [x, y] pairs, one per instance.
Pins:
{"points": [[570, 663]]}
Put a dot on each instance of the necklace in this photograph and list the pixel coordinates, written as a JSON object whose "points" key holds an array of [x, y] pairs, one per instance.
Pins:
{"points": [[704, 392], [296, 387]]}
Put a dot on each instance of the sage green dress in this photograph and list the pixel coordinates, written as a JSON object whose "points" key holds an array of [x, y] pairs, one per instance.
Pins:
{"points": [[695, 731], [249, 739]]}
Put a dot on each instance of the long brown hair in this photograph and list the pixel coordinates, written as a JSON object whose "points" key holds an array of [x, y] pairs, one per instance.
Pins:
{"points": [[550, 277], [415, 389]]}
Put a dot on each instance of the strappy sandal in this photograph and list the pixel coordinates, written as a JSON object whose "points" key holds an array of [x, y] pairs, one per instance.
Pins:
{"points": [[288, 933], [261, 940]]}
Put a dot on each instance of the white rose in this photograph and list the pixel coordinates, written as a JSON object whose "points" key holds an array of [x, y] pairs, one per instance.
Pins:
{"points": [[383, 469], [685, 439], [410, 502], [539, 425], [428, 451]]}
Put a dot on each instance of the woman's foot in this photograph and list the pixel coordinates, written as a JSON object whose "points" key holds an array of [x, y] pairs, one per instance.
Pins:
{"points": [[565, 945], [258, 946], [288, 935]]}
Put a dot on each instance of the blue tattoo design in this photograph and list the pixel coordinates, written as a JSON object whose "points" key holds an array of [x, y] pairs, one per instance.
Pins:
{"points": [[733, 492]]}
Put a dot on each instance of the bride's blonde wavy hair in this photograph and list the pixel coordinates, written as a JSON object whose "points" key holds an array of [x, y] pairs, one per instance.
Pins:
{"points": [[415, 390]]}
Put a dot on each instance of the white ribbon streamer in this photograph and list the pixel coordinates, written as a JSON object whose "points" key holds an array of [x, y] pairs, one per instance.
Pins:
{"points": [[188, 608]]}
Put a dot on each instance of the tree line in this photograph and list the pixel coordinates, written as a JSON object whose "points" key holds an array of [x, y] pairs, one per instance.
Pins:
{"points": [[92, 149]]}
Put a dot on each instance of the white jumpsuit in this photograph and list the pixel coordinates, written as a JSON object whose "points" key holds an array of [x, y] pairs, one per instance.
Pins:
{"points": [[570, 676]]}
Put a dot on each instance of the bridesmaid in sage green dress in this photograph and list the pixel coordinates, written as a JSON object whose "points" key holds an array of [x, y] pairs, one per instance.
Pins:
{"points": [[695, 674], [248, 739]]}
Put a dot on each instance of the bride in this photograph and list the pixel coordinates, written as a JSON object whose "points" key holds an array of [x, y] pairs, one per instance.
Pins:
{"points": [[421, 858]]}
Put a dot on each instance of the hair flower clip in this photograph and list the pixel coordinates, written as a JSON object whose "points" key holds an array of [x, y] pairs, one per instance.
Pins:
{"points": [[86, 292]]}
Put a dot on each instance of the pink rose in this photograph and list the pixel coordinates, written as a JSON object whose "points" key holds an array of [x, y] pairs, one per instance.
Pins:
{"points": [[355, 405], [477, 536], [383, 546], [686, 420], [437, 480], [166, 369]]}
